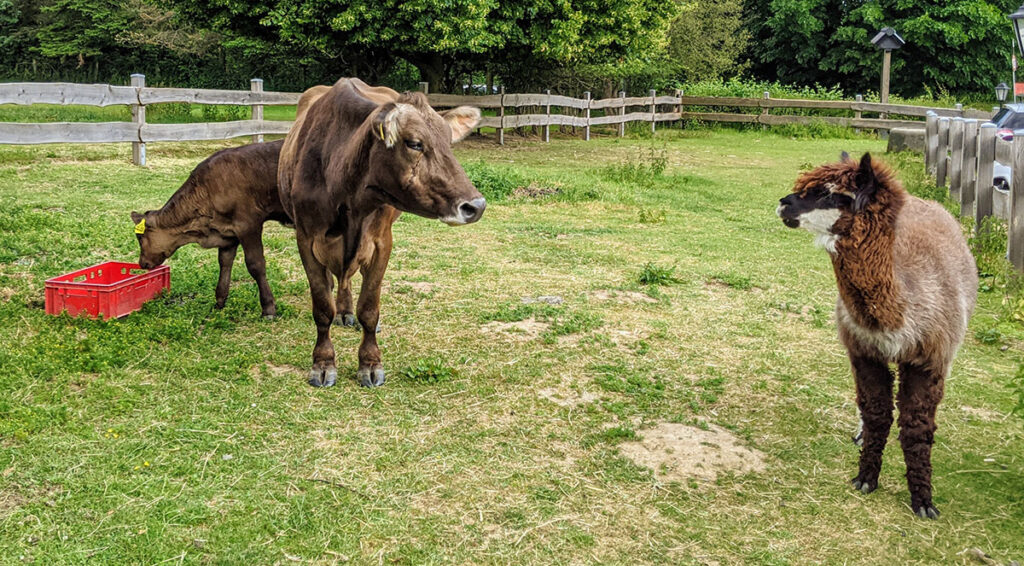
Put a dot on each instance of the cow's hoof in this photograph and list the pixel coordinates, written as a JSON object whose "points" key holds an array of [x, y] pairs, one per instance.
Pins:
{"points": [[325, 376], [371, 377], [269, 317], [926, 511], [219, 305], [347, 319], [864, 486]]}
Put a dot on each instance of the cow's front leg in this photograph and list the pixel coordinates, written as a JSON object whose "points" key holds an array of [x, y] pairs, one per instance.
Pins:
{"points": [[226, 258], [256, 263], [918, 397], [371, 371], [324, 373]]}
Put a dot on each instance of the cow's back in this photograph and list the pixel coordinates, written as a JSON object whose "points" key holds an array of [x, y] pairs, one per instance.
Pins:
{"points": [[241, 182]]}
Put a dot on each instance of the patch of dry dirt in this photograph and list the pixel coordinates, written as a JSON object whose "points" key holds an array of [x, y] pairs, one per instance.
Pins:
{"points": [[522, 330], [565, 398], [677, 452], [983, 414], [630, 297]]}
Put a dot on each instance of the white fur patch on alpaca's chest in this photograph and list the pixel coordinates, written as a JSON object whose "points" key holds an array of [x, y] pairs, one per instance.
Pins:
{"points": [[819, 222], [890, 344]]}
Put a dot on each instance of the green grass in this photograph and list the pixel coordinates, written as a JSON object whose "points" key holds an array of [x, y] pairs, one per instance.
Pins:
{"points": [[183, 434]]}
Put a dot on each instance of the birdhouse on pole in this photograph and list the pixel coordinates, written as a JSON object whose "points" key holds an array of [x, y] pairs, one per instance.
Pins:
{"points": [[887, 40]]}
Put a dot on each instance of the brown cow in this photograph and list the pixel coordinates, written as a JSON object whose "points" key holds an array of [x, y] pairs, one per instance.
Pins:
{"points": [[356, 156], [224, 203]]}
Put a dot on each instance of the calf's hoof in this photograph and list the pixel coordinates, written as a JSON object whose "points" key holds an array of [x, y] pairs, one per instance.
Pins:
{"points": [[864, 486], [347, 319], [219, 304], [926, 511], [371, 377], [269, 317], [323, 375]]}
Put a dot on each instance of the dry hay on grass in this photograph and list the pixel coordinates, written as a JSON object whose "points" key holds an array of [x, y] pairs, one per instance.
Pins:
{"points": [[679, 452], [629, 297], [566, 398], [522, 330]]}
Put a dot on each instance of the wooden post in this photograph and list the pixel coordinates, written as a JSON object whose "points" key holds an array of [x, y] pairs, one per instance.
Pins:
{"points": [[501, 116], [886, 60], [139, 118], [969, 174], [959, 108], [931, 141], [425, 87], [678, 108], [857, 113], [1015, 238], [547, 112], [654, 107], [983, 187], [586, 129], [956, 153], [764, 110], [942, 162], [256, 85], [622, 111]]}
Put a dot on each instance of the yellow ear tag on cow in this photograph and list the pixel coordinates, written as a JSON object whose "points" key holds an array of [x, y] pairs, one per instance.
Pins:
{"points": [[140, 228], [381, 131]]}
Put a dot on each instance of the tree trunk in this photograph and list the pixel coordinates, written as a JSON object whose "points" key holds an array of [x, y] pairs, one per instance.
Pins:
{"points": [[431, 68]]}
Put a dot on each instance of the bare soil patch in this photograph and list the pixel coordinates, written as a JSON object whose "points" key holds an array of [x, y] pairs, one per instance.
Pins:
{"points": [[522, 330], [567, 398], [630, 297], [677, 452]]}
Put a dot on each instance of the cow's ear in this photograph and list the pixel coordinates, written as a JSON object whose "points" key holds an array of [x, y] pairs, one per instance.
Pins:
{"points": [[136, 217], [386, 123], [461, 120], [867, 183]]}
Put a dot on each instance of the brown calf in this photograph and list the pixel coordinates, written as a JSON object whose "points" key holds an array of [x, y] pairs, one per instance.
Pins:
{"points": [[907, 287], [355, 157], [224, 203]]}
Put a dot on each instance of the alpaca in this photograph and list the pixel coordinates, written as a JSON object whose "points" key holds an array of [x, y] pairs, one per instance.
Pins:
{"points": [[907, 287]]}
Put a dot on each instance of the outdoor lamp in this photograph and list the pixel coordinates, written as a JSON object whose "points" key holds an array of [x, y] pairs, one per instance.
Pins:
{"points": [[1001, 91]]}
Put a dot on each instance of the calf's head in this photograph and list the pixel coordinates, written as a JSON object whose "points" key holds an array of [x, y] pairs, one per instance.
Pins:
{"points": [[157, 243], [828, 200], [411, 162]]}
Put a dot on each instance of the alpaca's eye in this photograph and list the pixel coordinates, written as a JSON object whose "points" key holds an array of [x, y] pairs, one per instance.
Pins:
{"points": [[414, 145]]}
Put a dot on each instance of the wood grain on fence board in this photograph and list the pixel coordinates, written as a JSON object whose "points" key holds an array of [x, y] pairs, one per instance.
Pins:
{"points": [[970, 167], [942, 163], [67, 93], [17, 133], [956, 153], [1015, 237], [983, 184]]}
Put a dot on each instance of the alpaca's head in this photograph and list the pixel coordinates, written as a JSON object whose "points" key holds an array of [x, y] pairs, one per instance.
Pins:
{"points": [[828, 200]]}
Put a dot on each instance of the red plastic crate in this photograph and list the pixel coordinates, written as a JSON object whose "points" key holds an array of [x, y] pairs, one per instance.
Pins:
{"points": [[107, 290]]}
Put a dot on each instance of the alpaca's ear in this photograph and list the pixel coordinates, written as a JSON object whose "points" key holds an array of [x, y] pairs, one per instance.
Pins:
{"points": [[844, 157], [867, 183]]}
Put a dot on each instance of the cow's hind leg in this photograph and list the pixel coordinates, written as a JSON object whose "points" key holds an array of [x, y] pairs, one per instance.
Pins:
{"points": [[324, 372], [874, 397], [226, 258], [345, 313], [371, 371], [918, 397], [256, 263]]}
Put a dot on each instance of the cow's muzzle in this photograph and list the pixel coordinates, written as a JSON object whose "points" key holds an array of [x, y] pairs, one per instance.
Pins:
{"points": [[467, 212]]}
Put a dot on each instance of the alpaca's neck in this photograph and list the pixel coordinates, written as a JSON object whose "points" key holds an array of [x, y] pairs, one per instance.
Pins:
{"points": [[865, 273]]}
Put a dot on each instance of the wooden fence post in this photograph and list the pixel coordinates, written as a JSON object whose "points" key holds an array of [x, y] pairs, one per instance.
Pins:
{"points": [[960, 109], [931, 141], [678, 108], [622, 112], [586, 129], [764, 110], [425, 87], [1015, 238], [942, 163], [857, 113], [956, 154], [970, 167], [256, 85], [547, 112], [654, 108], [138, 117], [501, 116], [983, 187]]}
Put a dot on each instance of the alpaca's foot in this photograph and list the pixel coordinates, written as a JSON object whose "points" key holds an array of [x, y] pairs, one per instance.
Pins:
{"points": [[864, 485], [926, 511]]}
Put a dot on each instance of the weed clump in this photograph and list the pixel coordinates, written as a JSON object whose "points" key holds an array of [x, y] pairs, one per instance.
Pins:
{"points": [[428, 371], [656, 275]]}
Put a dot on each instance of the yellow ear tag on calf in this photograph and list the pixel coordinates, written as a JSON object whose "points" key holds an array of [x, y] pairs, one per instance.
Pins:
{"points": [[381, 131], [140, 228]]}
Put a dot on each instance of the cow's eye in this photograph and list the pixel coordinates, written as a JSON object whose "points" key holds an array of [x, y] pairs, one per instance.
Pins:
{"points": [[414, 145]]}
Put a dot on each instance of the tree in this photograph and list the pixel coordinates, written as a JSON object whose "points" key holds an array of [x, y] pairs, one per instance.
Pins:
{"points": [[706, 39]]}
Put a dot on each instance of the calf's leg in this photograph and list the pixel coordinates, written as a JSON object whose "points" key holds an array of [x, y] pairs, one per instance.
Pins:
{"points": [[874, 397], [226, 258], [324, 372], [256, 263], [919, 395], [371, 371]]}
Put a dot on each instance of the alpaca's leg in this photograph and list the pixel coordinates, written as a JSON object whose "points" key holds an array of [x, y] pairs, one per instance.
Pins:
{"points": [[918, 397], [874, 397]]}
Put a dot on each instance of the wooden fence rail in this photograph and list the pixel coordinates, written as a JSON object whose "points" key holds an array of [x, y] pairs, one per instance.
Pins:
{"points": [[966, 153], [511, 111]]}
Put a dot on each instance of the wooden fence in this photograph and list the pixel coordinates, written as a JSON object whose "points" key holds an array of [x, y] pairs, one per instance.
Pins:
{"points": [[963, 154], [512, 111]]}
